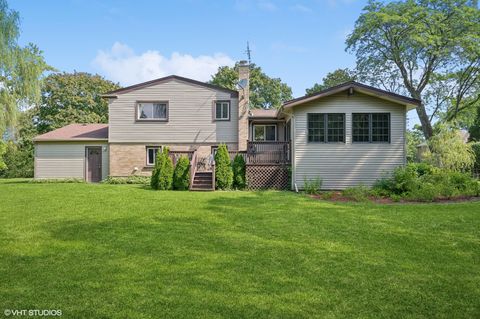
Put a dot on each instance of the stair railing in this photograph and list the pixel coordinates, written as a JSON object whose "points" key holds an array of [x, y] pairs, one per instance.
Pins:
{"points": [[213, 175], [193, 168]]}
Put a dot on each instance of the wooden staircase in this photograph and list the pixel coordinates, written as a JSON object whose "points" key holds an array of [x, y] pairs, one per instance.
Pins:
{"points": [[202, 181]]}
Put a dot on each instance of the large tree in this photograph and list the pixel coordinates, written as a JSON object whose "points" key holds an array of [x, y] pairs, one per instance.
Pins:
{"points": [[336, 77], [265, 92], [20, 69], [416, 46], [73, 98]]}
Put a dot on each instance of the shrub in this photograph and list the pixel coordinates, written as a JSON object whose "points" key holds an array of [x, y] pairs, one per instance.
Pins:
{"points": [[357, 193], [141, 180], [17, 160], [312, 186], [181, 175], [57, 180], [426, 183], [476, 151], [238, 167], [162, 175], [223, 168], [449, 150]]}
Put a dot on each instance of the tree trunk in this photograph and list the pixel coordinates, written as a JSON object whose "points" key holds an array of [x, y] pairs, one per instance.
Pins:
{"points": [[424, 121]]}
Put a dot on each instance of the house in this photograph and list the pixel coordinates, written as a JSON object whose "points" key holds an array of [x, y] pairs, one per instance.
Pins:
{"points": [[346, 135]]}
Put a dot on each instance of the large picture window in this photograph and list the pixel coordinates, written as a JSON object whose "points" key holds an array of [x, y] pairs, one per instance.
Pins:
{"points": [[152, 111], [371, 127], [152, 154], [264, 132], [326, 127], [222, 110]]}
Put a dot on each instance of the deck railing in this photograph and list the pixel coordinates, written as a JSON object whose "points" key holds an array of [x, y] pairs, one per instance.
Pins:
{"points": [[175, 155], [268, 152], [193, 168]]}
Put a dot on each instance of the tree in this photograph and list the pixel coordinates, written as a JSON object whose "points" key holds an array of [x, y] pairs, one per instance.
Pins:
{"points": [[336, 77], [414, 138], [181, 175], [474, 129], [407, 46], [265, 92], [3, 150], [20, 69], [73, 98], [19, 155], [162, 175], [448, 150], [238, 168], [223, 168]]}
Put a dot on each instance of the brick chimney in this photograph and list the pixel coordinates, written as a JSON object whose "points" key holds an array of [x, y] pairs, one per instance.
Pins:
{"points": [[243, 104]]}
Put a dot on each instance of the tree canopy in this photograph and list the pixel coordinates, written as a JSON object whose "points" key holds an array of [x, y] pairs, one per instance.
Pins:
{"points": [[20, 69], [73, 98], [336, 77], [429, 49], [265, 92]]}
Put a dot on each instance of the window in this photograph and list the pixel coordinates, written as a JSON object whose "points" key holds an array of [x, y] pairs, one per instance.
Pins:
{"points": [[326, 127], [371, 127], [152, 111], [222, 110], [152, 154], [264, 133]]}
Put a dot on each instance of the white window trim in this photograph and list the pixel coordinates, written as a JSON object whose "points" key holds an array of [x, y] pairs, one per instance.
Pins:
{"points": [[157, 148], [264, 132], [215, 111]]}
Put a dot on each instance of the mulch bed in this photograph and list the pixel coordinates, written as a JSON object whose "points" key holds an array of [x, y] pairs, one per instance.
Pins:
{"points": [[339, 197]]}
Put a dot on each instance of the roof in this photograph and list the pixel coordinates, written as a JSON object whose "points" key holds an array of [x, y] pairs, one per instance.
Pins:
{"points": [[76, 132], [263, 113], [113, 94], [363, 88]]}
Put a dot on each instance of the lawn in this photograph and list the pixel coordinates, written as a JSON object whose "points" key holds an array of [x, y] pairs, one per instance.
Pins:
{"points": [[121, 251]]}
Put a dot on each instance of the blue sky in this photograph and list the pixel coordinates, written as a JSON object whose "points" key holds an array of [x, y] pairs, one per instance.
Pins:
{"points": [[132, 41]]}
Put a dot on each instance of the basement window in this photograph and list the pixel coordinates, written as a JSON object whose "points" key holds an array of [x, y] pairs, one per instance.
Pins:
{"points": [[152, 154]]}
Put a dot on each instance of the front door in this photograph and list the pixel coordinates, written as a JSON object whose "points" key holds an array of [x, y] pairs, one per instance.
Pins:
{"points": [[94, 164]]}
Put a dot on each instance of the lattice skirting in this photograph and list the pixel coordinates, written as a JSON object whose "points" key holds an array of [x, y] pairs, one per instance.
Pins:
{"points": [[268, 176]]}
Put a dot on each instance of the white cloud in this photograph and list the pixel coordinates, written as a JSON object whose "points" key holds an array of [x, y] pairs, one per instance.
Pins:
{"points": [[122, 64], [267, 6], [301, 8]]}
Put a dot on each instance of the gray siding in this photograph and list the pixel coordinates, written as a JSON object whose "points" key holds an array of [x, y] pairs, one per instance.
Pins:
{"points": [[65, 160], [342, 165], [190, 116]]}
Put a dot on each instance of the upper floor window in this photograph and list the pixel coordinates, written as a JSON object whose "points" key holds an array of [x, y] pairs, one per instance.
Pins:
{"points": [[264, 133], [152, 111], [326, 127], [222, 110], [371, 127]]}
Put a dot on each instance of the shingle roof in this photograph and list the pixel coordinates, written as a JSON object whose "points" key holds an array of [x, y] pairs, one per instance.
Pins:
{"points": [[355, 86], [130, 88], [76, 132], [263, 113]]}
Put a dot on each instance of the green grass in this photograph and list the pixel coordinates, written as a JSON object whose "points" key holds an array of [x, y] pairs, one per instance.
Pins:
{"points": [[122, 251]]}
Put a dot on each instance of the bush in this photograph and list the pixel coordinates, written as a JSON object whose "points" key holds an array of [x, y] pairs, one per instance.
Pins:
{"points": [[312, 186], [476, 151], [57, 180], [357, 193], [181, 175], [142, 180], [162, 175], [223, 168], [426, 183], [238, 167], [17, 160]]}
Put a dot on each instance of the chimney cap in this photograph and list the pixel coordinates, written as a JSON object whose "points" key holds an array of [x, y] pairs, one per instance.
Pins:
{"points": [[243, 63]]}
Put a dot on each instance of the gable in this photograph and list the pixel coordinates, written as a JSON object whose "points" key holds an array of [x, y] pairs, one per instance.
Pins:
{"points": [[157, 82]]}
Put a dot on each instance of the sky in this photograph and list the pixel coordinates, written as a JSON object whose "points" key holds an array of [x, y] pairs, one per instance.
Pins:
{"points": [[299, 41]]}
